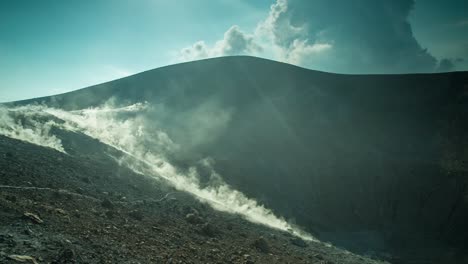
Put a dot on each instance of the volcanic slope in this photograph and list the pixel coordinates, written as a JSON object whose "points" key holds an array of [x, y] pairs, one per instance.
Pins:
{"points": [[373, 163], [84, 207]]}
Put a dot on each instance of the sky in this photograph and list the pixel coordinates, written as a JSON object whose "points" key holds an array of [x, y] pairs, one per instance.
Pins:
{"points": [[52, 46]]}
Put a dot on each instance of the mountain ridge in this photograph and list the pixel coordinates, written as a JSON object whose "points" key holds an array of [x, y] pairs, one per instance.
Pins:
{"points": [[226, 59], [363, 161]]}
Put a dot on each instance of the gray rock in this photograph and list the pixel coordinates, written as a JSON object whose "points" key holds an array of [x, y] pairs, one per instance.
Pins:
{"points": [[193, 218], [297, 241], [261, 245], [106, 203]]}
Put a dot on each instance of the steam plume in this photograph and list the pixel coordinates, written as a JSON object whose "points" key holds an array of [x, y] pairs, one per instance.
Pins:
{"points": [[123, 128]]}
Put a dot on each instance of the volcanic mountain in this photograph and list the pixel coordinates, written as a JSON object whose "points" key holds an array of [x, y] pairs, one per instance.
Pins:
{"points": [[374, 164]]}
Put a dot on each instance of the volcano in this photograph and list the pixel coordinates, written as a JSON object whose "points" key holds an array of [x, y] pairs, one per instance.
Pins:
{"points": [[286, 156]]}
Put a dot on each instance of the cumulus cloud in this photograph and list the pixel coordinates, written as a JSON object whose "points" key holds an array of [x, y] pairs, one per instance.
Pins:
{"points": [[300, 52], [234, 42], [365, 36]]}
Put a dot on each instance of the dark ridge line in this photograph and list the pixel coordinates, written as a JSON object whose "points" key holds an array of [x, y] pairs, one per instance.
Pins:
{"points": [[236, 57]]}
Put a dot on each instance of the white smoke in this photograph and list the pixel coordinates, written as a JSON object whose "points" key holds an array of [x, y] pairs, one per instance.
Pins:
{"points": [[145, 150], [28, 128]]}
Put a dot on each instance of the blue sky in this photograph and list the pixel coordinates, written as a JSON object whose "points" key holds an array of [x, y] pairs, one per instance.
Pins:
{"points": [[53, 46]]}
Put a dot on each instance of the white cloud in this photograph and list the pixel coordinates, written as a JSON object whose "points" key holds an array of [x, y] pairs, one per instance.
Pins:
{"points": [[267, 40], [372, 36], [197, 51], [234, 42], [277, 27], [300, 52], [368, 36]]}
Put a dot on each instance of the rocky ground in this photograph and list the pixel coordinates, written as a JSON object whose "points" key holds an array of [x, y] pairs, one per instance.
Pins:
{"points": [[82, 207]]}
